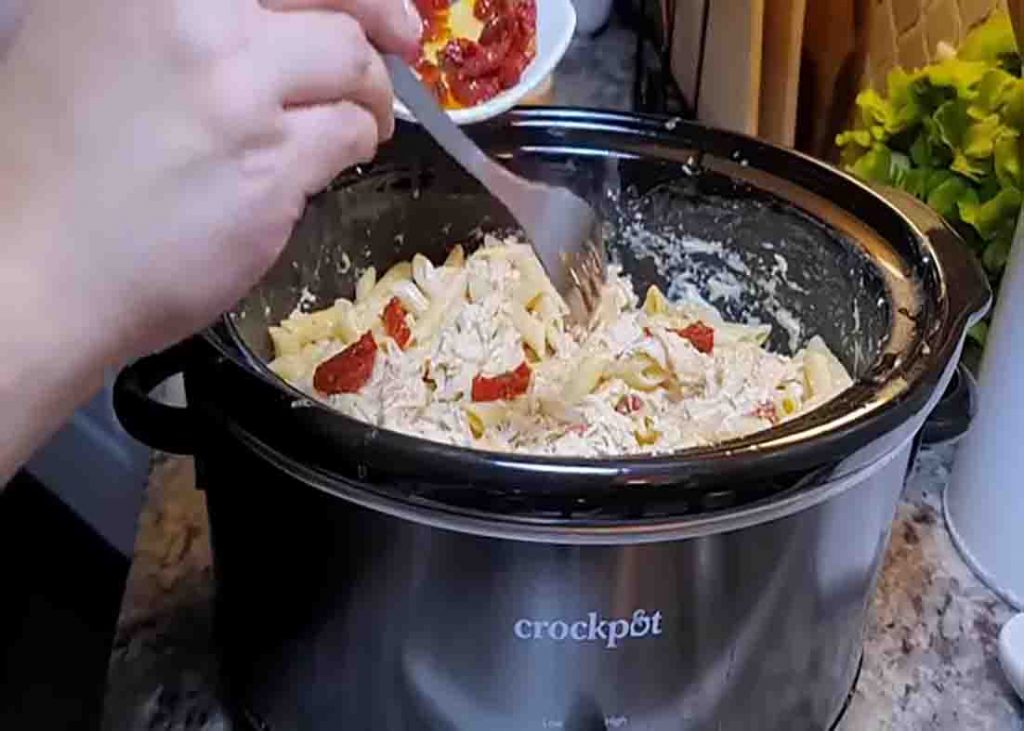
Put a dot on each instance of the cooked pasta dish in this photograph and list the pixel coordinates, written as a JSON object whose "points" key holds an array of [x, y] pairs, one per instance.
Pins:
{"points": [[476, 352]]}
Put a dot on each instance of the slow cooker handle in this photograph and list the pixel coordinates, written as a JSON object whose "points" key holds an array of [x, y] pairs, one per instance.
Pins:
{"points": [[157, 425], [952, 416], [970, 296]]}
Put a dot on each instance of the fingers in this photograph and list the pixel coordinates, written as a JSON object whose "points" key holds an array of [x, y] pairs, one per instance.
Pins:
{"points": [[323, 57], [326, 139], [393, 26]]}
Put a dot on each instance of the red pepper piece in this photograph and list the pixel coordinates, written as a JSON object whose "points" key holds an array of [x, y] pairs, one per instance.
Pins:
{"points": [[394, 323], [701, 336], [501, 388], [349, 370]]}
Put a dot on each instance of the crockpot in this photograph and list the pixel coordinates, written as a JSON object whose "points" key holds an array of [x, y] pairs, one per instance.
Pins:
{"points": [[372, 580]]}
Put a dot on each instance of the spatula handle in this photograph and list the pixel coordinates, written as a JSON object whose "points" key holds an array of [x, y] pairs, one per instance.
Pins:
{"points": [[499, 181]]}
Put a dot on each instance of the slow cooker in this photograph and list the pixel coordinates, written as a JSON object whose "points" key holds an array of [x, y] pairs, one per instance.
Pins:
{"points": [[372, 580]]}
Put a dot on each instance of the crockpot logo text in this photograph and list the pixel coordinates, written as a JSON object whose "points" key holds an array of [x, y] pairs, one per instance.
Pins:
{"points": [[592, 629]]}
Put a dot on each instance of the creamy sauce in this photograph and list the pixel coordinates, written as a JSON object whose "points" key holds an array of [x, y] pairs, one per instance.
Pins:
{"points": [[637, 381]]}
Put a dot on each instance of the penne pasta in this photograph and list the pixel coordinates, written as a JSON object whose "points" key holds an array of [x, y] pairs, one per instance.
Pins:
{"points": [[479, 287], [787, 399], [816, 373], [411, 297], [348, 327], [655, 302], [424, 274], [456, 258], [479, 354], [374, 302], [533, 277], [486, 415], [823, 373], [585, 378], [729, 332], [365, 284], [641, 372], [302, 328], [292, 367], [531, 329], [285, 341], [453, 297]]}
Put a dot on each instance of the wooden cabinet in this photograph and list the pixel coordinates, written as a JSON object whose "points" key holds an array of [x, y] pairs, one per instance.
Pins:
{"points": [[789, 70]]}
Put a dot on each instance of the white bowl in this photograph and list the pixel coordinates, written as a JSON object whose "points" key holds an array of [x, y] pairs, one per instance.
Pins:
{"points": [[556, 23], [1011, 652]]}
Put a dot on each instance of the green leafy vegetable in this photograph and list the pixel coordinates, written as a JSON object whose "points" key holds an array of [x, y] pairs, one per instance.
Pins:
{"points": [[952, 134], [992, 43]]}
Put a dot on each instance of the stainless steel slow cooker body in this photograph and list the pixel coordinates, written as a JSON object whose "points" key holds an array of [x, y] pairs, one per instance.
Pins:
{"points": [[372, 580]]}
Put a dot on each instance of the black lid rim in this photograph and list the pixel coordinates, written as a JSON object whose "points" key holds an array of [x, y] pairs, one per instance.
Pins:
{"points": [[835, 430]]}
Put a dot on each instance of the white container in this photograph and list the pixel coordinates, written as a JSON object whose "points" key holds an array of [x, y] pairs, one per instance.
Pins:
{"points": [[1011, 652], [984, 503], [556, 22]]}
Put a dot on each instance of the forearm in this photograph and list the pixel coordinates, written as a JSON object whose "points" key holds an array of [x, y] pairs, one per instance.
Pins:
{"points": [[136, 206], [49, 361]]}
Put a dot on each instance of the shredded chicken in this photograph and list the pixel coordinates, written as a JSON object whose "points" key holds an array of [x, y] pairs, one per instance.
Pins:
{"points": [[647, 378]]}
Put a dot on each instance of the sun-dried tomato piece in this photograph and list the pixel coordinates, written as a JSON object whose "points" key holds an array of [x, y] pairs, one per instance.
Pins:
{"points": [[349, 370], [470, 72], [487, 9], [435, 29], [432, 7], [525, 12], [452, 56], [395, 324], [434, 14], [467, 92], [701, 336], [512, 69], [497, 30], [461, 56], [504, 387], [430, 74]]}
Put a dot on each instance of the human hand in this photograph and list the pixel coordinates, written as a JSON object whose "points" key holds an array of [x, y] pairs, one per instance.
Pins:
{"points": [[154, 155]]}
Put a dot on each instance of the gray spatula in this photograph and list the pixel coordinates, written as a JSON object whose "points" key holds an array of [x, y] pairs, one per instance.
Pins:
{"points": [[564, 230]]}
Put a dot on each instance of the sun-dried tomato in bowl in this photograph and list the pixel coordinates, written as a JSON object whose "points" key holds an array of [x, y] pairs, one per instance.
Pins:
{"points": [[464, 71]]}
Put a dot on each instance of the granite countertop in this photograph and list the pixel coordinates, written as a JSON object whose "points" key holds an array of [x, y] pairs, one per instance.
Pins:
{"points": [[930, 650], [929, 654]]}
